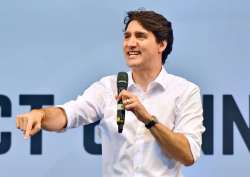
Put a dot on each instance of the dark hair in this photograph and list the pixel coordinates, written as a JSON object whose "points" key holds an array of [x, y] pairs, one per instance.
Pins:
{"points": [[157, 24]]}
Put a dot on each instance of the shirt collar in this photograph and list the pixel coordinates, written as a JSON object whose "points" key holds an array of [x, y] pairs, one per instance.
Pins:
{"points": [[160, 80], [131, 82]]}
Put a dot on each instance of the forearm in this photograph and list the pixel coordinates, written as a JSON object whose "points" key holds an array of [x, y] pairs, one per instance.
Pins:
{"points": [[175, 145], [54, 119]]}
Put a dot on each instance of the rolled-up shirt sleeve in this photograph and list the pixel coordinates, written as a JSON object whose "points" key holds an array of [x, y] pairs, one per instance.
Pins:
{"points": [[189, 119], [87, 108]]}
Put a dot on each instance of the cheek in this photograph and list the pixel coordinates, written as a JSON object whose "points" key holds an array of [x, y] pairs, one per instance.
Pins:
{"points": [[155, 50], [124, 46], [148, 50]]}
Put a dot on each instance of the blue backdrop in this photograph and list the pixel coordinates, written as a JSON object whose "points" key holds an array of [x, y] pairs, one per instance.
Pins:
{"points": [[59, 47]]}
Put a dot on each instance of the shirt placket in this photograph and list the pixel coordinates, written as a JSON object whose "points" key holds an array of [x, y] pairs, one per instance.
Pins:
{"points": [[139, 141]]}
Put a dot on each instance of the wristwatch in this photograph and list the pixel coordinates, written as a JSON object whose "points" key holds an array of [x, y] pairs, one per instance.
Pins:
{"points": [[151, 122]]}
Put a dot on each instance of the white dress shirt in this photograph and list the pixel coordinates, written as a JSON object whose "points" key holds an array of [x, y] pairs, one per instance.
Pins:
{"points": [[175, 102]]}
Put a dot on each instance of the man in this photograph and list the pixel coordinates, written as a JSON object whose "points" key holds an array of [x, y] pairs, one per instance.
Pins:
{"points": [[163, 125]]}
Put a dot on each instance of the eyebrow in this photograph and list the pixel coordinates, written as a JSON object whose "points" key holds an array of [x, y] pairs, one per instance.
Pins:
{"points": [[126, 33], [136, 33], [140, 33]]}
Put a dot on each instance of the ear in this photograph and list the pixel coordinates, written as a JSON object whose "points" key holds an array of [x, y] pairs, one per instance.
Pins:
{"points": [[162, 46]]}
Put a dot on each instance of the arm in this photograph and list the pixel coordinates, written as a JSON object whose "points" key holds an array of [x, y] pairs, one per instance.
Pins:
{"points": [[85, 109], [174, 143], [51, 119]]}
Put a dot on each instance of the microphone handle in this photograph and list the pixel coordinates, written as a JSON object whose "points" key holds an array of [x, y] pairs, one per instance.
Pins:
{"points": [[120, 119]]}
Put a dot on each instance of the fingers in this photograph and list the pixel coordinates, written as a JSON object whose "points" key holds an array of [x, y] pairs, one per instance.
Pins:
{"points": [[128, 101], [28, 124], [35, 129], [28, 128], [130, 106], [125, 93], [118, 97], [126, 96], [132, 103], [18, 121]]}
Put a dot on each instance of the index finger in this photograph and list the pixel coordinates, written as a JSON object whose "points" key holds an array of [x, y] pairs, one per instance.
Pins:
{"points": [[125, 93], [28, 129], [120, 95]]}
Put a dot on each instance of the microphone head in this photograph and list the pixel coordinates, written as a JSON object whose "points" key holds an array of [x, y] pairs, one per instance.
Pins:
{"points": [[122, 80]]}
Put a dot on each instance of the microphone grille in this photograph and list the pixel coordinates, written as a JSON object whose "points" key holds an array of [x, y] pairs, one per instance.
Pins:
{"points": [[122, 80]]}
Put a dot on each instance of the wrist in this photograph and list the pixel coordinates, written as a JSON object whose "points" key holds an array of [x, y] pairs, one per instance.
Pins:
{"points": [[151, 122], [40, 112], [146, 118]]}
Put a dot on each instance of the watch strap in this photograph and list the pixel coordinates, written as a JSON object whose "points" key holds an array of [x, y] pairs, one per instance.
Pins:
{"points": [[151, 122]]}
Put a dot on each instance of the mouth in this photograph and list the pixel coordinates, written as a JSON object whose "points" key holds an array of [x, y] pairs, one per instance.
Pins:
{"points": [[133, 53]]}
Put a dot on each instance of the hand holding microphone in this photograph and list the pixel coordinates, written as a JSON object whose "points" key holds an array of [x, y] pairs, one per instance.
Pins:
{"points": [[128, 101]]}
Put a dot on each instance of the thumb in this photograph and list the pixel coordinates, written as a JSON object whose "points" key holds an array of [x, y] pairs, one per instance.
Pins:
{"points": [[36, 128]]}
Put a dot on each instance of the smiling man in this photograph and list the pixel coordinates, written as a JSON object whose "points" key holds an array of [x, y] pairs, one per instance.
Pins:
{"points": [[163, 125]]}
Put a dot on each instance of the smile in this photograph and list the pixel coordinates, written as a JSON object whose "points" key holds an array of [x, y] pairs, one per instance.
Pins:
{"points": [[133, 53]]}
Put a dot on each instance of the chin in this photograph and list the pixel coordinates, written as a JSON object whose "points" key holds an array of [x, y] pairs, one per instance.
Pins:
{"points": [[133, 64]]}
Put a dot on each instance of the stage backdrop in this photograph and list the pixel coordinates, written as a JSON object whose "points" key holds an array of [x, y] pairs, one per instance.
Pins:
{"points": [[51, 50]]}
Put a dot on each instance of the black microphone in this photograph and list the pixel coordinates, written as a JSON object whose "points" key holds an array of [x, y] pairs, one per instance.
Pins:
{"points": [[122, 83]]}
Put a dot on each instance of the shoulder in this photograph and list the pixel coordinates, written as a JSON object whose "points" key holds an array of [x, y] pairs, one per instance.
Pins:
{"points": [[106, 84], [181, 84], [107, 81]]}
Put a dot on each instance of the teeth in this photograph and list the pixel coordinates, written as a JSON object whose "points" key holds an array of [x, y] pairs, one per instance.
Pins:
{"points": [[134, 53]]}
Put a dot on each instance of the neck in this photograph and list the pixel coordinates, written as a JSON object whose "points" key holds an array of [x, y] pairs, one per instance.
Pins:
{"points": [[145, 76]]}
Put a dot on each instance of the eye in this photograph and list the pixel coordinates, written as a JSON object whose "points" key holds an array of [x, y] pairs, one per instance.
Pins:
{"points": [[126, 35], [140, 35]]}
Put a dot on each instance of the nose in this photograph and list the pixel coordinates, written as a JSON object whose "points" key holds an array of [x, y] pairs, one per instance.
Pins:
{"points": [[131, 42]]}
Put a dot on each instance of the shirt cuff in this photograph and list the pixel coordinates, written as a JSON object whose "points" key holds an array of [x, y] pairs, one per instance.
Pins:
{"points": [[69, 116], [194, 147]]}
